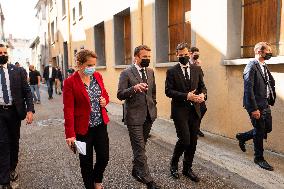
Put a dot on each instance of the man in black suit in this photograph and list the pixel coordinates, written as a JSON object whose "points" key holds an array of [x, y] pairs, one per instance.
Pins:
{"points": [[259, 95], [16, 104], [49, 75], [184, 84]]}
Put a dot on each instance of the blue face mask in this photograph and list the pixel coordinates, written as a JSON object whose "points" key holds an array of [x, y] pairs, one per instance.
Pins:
{"points": [[89, 70]]}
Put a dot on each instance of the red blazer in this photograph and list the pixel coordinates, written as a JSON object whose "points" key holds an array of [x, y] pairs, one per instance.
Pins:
{"points": [[77, 106]]}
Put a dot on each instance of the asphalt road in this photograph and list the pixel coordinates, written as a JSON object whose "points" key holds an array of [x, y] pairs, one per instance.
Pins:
{"points": [[46, 162]]}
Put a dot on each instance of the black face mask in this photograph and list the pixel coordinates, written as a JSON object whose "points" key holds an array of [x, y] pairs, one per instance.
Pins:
{"points": [[183, 59], [3, 59], [145, 63], [267, 56], [195, 57]]}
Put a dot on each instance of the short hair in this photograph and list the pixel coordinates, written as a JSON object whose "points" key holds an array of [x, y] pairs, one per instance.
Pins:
{"points": [[140, 48], [261, 46], [83, 55], [182, 46], [17, 63], [194, 49]]}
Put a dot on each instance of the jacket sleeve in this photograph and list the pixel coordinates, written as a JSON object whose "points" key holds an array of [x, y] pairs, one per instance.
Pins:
{"points": [[170, 87], [201, 84], [27, 91], [124, 91], [249, 97], [68, 102], [154, 91]]}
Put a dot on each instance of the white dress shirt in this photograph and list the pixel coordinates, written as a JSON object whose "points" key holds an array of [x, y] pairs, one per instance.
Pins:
{"points": [[266, 76], [50, 72], [8, 87], [183, 71], [140, 73]]}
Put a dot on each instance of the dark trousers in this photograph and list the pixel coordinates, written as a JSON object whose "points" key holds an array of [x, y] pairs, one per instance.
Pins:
{"points": [[259, 132], [96, 138], [9, 142], [139, 135], [187, 124], [49, 84]]}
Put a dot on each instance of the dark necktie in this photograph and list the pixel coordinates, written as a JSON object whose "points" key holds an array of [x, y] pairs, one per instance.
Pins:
{"points": [[143, 75], [186, 73], [267, 81], [4, 85]]}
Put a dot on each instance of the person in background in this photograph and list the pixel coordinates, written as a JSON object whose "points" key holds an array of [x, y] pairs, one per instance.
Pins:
{"points": [[58, 81], [259, 95], [17, 64], [49, 75], [34, 80], [16, 104], [86, 119], [184, 85], [194, 60]]}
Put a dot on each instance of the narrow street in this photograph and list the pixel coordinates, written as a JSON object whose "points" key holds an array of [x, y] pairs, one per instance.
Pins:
{"points": [[46, 162]]}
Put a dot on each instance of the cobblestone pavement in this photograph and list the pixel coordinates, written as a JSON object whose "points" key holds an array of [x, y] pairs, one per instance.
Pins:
{"points": [[46, 162]]}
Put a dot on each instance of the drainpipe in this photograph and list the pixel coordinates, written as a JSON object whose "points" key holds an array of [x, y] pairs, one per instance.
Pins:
{"points": [[141, 20], [69, 35]]}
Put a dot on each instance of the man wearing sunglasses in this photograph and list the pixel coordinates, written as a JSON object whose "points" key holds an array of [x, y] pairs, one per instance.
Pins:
{"points": [[16, 104]]}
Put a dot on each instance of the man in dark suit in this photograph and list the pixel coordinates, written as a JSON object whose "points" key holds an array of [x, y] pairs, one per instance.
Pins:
{"points": [[16, 104], [259, 95], [49, 75], [184, 84], [138, 88]]}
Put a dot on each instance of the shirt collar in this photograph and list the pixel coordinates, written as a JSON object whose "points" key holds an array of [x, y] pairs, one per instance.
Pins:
{"points": [[260, 63], [138, 67], [4, 66], [184, 66]]}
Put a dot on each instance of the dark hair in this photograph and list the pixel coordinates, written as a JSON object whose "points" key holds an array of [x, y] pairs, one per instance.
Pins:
{"points": [[182, 46], [83, 55], [17, 63], [139, 48], [194, 49]]}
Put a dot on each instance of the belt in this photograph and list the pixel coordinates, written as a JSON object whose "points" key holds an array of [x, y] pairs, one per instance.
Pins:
{"points": [[6, 107]]}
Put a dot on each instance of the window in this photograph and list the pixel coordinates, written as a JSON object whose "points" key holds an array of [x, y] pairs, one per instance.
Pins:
{"points": [[171, 19], [264, 16], [80, 10], [52, 32], [63, 8], [99, 32], [74, 16], [122, 35]]}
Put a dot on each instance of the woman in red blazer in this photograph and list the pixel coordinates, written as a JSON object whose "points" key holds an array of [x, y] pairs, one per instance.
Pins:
{"points": [[85, 98]]}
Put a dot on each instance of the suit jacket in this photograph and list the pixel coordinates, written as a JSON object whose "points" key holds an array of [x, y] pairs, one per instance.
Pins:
{"points": [[255, 87], [46, 73], [20, 91], [137, 104], [77, 106], [175, 88]]}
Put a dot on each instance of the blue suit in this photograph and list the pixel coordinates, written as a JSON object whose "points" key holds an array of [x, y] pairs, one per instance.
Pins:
{"points": [[256, 97]]}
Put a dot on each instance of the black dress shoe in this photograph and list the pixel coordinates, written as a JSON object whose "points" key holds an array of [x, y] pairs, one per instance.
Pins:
{"points": [[137, 177], [190, 174], [263, 164], [242, 143], [174, 172], [6, 186], [13, 176], [152, 185], [200, 133]]}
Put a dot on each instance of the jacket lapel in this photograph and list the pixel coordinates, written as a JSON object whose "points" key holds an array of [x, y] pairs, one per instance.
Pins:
{"points": [[11, 72], [259, 69], [96, 76], [81, 84], [181, 76], [192, 75], [136, 74]]}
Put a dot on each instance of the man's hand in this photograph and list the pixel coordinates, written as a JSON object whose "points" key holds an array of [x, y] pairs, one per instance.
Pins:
{"points": [[102, 101], [29, 117], [191, 96], [255, 114], [141, 87], [70, 142], [201, 98]]}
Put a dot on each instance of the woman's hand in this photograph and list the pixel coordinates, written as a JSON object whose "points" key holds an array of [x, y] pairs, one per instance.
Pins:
{"points": [[102, 101], [70, 142]]}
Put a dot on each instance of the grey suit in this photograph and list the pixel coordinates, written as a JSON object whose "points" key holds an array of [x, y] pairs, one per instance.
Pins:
{"points": [[139, 113]]}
